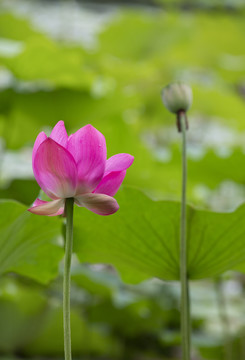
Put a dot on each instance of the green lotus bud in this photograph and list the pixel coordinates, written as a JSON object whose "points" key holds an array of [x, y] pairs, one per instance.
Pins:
{"points": [[177, 97]]}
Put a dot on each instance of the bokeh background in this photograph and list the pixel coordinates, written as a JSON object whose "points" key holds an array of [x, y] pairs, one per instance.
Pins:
{"points": [[105, 63]]}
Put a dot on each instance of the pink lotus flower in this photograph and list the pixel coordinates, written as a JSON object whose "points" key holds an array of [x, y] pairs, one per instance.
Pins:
{"points": [[76, 166]]}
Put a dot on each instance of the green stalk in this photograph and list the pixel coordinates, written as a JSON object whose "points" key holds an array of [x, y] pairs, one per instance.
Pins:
{"points": [[185, 300], [67, 277]]}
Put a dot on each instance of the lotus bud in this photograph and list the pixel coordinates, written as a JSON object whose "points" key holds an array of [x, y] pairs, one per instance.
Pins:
{"points": [[177, 97]]}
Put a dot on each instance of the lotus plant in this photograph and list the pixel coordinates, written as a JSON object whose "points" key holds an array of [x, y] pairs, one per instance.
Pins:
{"points": [[74, 169]]}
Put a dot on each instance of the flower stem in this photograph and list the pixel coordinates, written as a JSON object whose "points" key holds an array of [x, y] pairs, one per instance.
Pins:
{"points": [[185, 300], [67, 277]]}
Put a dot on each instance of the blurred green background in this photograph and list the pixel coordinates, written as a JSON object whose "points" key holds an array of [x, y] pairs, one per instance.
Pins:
{"points": [[105, 63]]}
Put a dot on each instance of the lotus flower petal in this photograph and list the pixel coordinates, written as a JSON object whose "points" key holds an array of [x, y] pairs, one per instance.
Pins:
{"points": [[118, 162], [88, 148], [38, 202], [59, 134], [98, 203], [55, 170], [50, 208], [110, 183], [39, 140]]}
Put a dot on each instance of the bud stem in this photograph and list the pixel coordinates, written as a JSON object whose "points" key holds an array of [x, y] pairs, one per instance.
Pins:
{"points": [[185, 300], [181, 114], [67, 277]]}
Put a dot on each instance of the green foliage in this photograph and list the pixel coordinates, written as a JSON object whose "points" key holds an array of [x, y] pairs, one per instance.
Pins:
{"points": [[21, 308], [116, 88], [142, 239], [112, 324], [22, 190], [16, 28], [55, 66], [84, 339], [27, 243]]}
